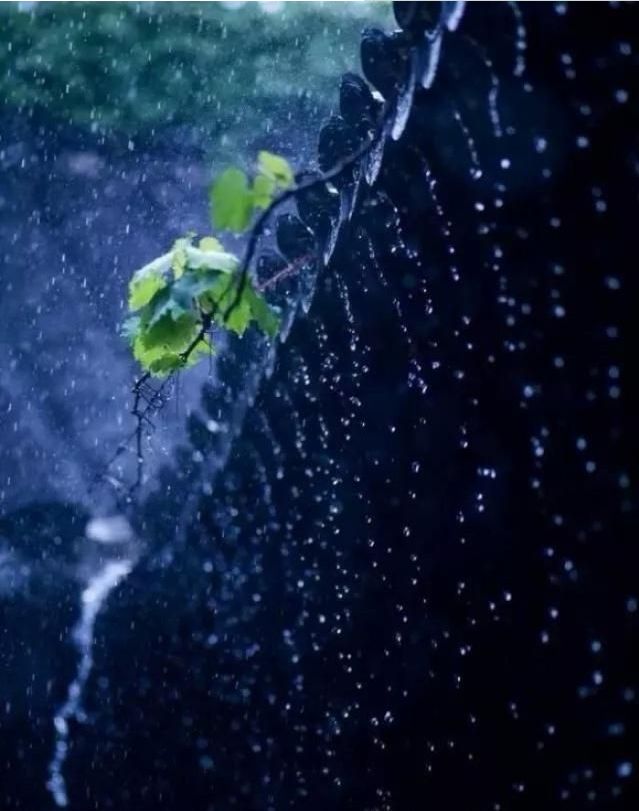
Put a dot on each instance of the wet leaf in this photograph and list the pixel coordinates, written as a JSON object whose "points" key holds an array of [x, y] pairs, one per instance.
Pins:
{"points": [[170, 333], [210, 244], [146, 355], [221, 297], [165, 303], [165, 364], [211, 260], [276, 168], [231, 201], [263, 189], [205, 347], [130, 328], [143, 286], [263, 314], [179, 260]]}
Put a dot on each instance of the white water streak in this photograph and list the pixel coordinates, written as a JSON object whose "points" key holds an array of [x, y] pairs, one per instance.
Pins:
{"points": [[476, 171], [493, 93], [373, 161], [521, 42], [434, 47], [456, 14], [404, 103], [92, 599]]}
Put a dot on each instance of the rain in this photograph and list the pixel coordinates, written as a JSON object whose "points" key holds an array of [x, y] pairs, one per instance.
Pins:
{"points": [[383, 555]]}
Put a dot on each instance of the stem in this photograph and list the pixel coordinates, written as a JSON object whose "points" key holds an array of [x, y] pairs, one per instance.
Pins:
{"points": [[204, 328], [289, 194]]}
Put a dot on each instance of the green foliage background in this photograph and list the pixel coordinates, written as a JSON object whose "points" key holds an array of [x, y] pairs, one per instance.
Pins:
{"points": [[135, 67]]}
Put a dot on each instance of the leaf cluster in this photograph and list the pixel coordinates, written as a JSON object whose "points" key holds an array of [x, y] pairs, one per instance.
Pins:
{"points": [[234, 201], [175, 300]]}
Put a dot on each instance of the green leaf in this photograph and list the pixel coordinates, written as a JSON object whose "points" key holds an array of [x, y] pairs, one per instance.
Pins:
{"points": [[263, 189], [211, 260], [238, 318], [143, 286], [201, 348], [222, 295], [263, 314], [130, 328], [146, 355], [161, 362], [166, 302], [165, 364], [210, 244], [178, 262], [170, 334], [191, 286], [276, 168], [231, 201]]}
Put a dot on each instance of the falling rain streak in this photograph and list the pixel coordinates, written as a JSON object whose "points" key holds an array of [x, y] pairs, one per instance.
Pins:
{"points": [[395, 545]]}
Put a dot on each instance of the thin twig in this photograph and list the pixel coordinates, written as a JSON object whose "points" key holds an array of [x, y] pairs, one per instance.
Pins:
{"points": [[204, 328], [154, 402], [285, 272]]}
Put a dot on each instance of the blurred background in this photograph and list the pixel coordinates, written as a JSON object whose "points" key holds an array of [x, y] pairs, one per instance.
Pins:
{"points": [[219, 74]]}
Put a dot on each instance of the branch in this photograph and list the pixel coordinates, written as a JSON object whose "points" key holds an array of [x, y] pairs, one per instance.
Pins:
{"points": [[326, 177], [153, 401], [284, 273], [204, 328]]}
